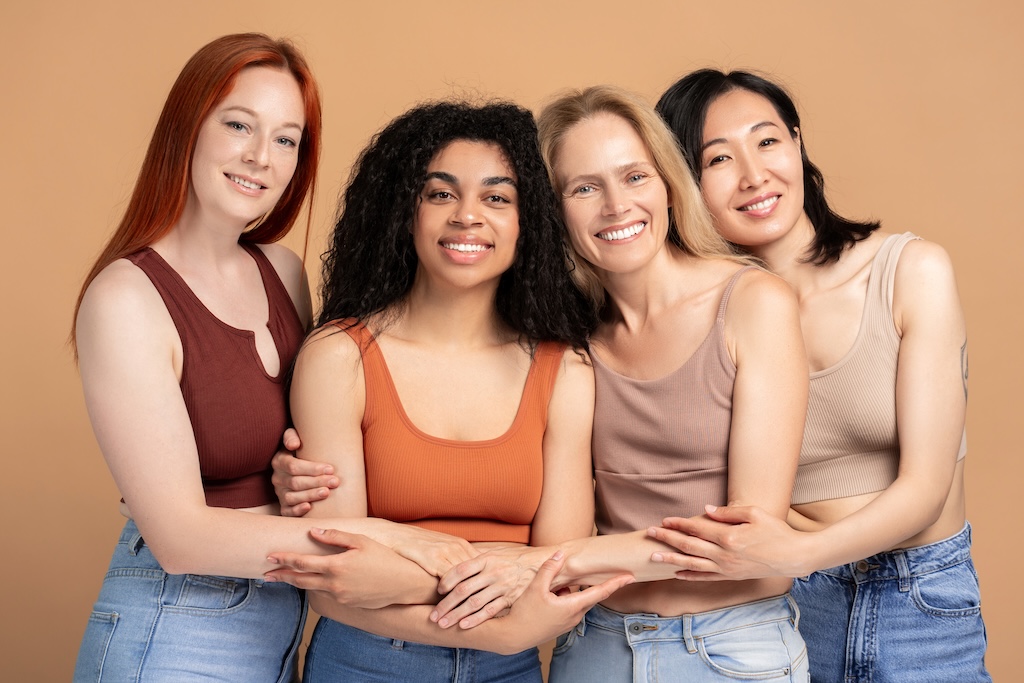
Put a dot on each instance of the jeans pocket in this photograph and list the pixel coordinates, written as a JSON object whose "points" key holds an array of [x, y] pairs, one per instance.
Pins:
{"points": [[754, 653], [93, 650], [205, 594], [949, 592]]}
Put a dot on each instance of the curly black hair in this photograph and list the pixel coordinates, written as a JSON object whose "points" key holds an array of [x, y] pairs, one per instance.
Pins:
{"points": [[371, 262], [684, 106]]}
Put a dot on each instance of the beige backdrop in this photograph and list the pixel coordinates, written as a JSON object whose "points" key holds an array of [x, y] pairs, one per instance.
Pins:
{"points": [[911, 108]]}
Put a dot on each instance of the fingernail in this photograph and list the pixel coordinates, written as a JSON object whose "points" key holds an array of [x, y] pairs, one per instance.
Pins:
{"points": [[433, 616], [273, 560], [651, 531], [657, 557], [443, 623], [710, 508], [558, 555], [318, 532], [267, 578], [332, 482]]}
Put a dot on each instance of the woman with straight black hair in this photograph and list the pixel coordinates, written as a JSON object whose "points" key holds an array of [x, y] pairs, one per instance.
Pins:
{"points": [[877, 533]]}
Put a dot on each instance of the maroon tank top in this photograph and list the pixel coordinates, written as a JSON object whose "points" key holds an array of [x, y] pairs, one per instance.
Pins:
{"points": [[238, 411]]}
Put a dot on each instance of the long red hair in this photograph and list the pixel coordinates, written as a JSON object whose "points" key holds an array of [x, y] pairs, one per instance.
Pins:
{"points": [[158, 199]]}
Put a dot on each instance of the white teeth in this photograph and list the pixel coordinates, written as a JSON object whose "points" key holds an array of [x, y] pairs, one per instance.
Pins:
{"points": [[622, 234], [458, 246], [245, 183], [760, 205]]}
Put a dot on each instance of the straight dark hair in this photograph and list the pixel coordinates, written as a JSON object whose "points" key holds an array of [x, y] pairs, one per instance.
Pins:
{"points": [[684, 106]]}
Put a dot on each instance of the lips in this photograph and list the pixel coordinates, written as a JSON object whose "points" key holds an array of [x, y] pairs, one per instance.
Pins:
{"points": [[246, 183], [616, 234], [760, 204], [465, 248]]}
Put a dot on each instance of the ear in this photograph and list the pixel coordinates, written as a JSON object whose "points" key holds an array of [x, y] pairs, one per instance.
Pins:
{"points": [[796, 138]]}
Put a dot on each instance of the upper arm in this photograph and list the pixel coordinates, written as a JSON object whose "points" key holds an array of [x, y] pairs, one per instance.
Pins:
{"points": [[130, 359], [566, 508], [328, 395], [931, 381], [290, 269], [770, 394]]}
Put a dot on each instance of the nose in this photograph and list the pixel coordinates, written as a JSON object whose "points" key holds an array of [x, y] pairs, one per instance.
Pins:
{"points": [[752, 171], [258, 150], [466, 212], [614, 201]]}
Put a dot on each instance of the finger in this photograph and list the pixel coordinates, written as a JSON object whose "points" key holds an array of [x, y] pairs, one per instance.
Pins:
{"points": [[549, 570], [338, 539], [460, 573], [490, 610], [287, 464], [305, 489], [465, 590], [298, 579], [587, 598], [297, 562], [707, 529], [730, 514], [473, 604], [299, 510], [691, 546], [291, 439], [687, 562]]}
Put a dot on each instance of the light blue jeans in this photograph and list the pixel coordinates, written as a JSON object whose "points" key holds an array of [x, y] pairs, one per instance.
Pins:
{"points": [[907, 616], [756, 641], [341, 653], [154, 627]]}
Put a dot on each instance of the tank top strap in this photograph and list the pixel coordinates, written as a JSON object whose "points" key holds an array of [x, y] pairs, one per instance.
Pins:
{"points": [[882, 279], [547, 359], [728, 292]]}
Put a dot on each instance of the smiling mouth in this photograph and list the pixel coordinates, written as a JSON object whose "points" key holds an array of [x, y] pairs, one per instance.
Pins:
{"points": [[763, 204], [246, 183], [465, 248], [622, 234]]}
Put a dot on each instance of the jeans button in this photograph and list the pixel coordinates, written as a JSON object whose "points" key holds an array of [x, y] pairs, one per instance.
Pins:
{"points": [[863, 567], [635, 628]]}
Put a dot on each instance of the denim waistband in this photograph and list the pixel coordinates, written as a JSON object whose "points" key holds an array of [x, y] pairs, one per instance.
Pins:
{"points": [[907, 563], [687, 627]]}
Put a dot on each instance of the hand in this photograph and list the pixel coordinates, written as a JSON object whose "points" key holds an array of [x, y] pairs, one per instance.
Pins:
{"points": [[357, 576], [484, 587], [540, 615], [434, 551], [731, 543], [299, 483]]}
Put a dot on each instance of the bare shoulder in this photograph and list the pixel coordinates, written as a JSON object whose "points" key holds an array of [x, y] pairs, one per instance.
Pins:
{"points": [[290, 270], [576, 369], [757, 290], [121, 293], [923, 259], [925, 285], [762, 313], [329, 343]]}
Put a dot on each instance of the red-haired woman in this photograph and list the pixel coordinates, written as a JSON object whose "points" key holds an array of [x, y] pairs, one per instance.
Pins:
{"points": [[185, 328]]}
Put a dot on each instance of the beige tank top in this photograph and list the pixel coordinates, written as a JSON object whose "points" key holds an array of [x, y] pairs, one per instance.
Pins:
{"points": [[661, 446], [851, 445]]}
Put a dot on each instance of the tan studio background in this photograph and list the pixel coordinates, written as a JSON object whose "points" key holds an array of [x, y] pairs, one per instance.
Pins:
{"points": [[912, 109]]}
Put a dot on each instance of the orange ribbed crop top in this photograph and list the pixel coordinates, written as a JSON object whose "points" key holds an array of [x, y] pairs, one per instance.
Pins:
{"points": [[477, 490]]}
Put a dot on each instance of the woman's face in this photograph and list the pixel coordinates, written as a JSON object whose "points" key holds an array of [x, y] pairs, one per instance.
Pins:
{"points": [[751, 171], [248, 147], [615, 204], [467, 218]]}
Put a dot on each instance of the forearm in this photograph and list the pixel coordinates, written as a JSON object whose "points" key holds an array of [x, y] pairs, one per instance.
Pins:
{"points": [[594, 559], [411, 623]]}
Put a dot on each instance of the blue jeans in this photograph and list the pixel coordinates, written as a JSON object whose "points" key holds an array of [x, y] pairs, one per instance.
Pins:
{"points": [[148, 625], [907, 616], [756, 641], [338, 652]]}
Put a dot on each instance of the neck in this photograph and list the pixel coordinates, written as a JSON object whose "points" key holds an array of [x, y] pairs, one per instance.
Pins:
{"points": [[786, 256], [636, 296], [452, 317]]}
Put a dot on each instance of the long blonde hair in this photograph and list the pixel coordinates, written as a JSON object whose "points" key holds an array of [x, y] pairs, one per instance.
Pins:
{"points": [[690, 226]]}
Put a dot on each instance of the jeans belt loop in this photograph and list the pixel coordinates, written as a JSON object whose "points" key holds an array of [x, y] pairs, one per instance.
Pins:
{"points": [[794, 610], [691, 644], [903, 566], [136, 543]]}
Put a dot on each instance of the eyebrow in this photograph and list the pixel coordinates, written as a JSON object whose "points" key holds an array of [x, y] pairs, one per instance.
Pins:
{"points": [[489, 181], [753, 129], [250, 112]]}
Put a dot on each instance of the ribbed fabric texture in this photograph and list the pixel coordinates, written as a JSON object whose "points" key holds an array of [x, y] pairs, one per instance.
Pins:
{"points": [[237, 410], [661, 447], [478, 490], [851, 444]]}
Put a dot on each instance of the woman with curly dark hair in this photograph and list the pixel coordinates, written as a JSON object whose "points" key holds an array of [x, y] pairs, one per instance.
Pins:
{"points": [[448, 387]]}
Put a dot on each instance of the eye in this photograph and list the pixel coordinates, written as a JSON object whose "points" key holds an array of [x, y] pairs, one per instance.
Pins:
{"points": [[287, 142], [440, 196], [768, 142], [235, 125], [716, 160], [582, 191], [497, 199]]}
